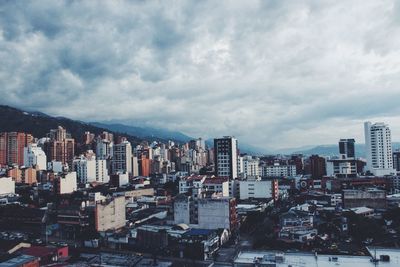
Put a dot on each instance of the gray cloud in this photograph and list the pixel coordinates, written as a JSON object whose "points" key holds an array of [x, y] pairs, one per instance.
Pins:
{"points": [[273, 73]]}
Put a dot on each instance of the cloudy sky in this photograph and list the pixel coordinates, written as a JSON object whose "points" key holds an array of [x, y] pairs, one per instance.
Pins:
{"points": [[273, 73]]}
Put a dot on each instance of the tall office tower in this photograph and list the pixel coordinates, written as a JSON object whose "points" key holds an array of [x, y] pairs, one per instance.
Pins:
{"points": [[346, 148], [122, 158], [35, 156], [12, 147], [60, 147], [225, 156], [378, 143]]}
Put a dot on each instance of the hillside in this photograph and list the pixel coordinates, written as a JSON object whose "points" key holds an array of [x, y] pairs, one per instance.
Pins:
{"points": [[39, 124], [145, 132]]}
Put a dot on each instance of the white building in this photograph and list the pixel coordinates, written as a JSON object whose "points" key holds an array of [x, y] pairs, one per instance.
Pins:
{"points": [[122, 158], [110, 214], [67, 183], [258, 189], [7, 186], [278, 170], [226, 157], [85, 169], [35, 156], [378, 142], [102, 171], [135, 166], [250, 166], [205, 213]]}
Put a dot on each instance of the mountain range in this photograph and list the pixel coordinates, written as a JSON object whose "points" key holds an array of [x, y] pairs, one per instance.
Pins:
{"points": [[39, 124]]}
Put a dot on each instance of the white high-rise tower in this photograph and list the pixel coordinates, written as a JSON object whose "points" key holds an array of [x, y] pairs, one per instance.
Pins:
{"points": [[378, 145]]}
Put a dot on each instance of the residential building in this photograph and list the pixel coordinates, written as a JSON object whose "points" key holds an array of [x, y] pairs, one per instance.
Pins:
{"points": [[122, 157], [12, 147], [34, 156], [104, 148], [60, 146], [225, 150], [378, 142], [250, 166], [260, 189], [396, 160], [85, 169], [317, 166], [277, 170]]}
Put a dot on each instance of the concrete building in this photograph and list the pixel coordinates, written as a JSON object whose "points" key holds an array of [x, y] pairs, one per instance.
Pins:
{"points": [[85, 169], [206, 213], [104, 148], [278, 170], [267, 189], [378, 142], [347, 149], [122, 158], [250, 166], [102, 171], [396, 160], [60, 146], [67, 183], [35, 156], [372, 198], [226, 157], [317, 166], [110, 214], [12, 147], [7, 186]]}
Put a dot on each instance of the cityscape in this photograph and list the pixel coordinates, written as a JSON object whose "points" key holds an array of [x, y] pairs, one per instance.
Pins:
{"points": [[199, 133], [99, 199]]}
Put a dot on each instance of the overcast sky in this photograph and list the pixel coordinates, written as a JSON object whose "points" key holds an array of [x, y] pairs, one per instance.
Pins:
{"points": [[273, 73]]}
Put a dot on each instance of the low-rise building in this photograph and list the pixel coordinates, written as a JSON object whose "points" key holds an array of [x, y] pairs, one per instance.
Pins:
{"points": [[206, 213], [373, 198], [110, 214], [260, 189], [7, 186]]}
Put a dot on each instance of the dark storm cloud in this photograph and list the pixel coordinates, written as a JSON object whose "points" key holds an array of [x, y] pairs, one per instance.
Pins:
{"points": [[273, 73]]}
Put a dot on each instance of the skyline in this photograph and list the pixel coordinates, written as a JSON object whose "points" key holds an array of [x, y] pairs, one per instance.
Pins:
{"points": [[272, 74]]}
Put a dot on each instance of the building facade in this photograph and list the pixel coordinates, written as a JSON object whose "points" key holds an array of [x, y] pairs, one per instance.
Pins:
{"points": [[226, 157], [378, 142]]}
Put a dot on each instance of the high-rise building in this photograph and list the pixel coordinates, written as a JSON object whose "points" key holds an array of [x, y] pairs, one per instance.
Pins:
{"points": [[122, 158], [35, 156], [226, 157], [346, 165], [396, 160], [346, 148], [88, 138], [12, 147], [378, 143], [104, 148], [60, 147], [85, 169], [317, 166]]}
